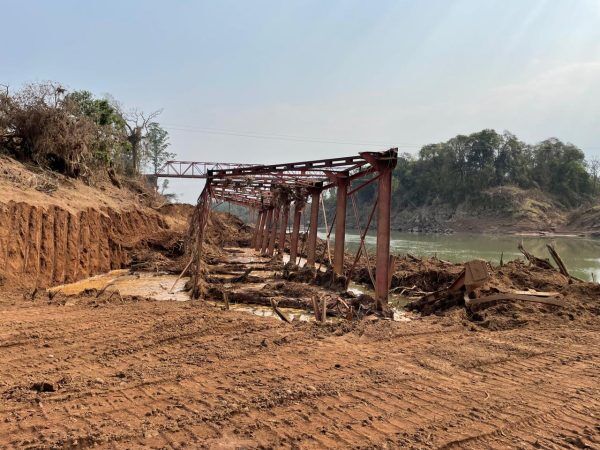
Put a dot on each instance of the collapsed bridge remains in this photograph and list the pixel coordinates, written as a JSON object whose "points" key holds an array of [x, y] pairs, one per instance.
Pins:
{"points": [[270, 191]]}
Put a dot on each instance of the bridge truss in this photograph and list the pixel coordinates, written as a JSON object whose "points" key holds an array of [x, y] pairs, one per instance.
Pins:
{"points": [[271, 191], [191, 169]]}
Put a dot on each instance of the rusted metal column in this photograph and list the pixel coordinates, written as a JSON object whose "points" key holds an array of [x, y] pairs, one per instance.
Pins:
{"points": [[265, 234], [285, 217], [273, 232], [295, 231], [314, 223], [261, 230], [340, 224], [256, 228], [384, 198]]}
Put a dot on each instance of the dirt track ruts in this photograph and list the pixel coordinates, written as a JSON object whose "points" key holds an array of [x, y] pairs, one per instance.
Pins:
{"points": [[163, 374]]}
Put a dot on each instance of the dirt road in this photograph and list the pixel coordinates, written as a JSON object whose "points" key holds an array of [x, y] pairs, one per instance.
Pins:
{"points": [[182, 374]]}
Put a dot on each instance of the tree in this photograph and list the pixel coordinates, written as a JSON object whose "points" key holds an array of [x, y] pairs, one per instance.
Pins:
{"points": [[156, 144], [137, 124], [594, 168], [38, 123], [464, 166], [111, 143], [560, 169], [74, 132]]}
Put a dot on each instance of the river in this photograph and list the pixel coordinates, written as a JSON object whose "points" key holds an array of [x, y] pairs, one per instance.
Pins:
{"points": [[580, 254]]}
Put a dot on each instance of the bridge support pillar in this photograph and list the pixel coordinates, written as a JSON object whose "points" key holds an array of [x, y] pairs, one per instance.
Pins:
{"points": [[256, 233], [382, 271], [340, 223], [265, 234], [314, 223], [261, 230], [273, 235], [285, 217], [384, 163], [295, 231]]}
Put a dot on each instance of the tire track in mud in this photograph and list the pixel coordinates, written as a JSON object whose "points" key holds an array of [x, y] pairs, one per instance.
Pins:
{"points": [[203, 376]]}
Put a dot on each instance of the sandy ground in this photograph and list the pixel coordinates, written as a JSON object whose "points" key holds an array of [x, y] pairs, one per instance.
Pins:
{"points": [[186, 374]]}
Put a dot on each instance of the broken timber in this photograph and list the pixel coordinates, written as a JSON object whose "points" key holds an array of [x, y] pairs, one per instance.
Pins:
{"points": [[466, 289]]}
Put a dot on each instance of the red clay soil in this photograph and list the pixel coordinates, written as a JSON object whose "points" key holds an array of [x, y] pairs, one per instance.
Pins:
{"points": [[180, 375], [55, 230]]}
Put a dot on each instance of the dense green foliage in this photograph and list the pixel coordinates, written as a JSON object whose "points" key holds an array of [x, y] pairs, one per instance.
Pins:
{"points": [[464, 166], [157, 147], [76, 133]]}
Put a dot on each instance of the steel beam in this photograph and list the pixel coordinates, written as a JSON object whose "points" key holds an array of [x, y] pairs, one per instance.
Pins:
{"points": [[255, 186], [273, 232], [347, 163], [314, 223], [192, 169], [384, 197], [266, 230], [285, 217], [295, 231], [257, 234], [340, 224]]}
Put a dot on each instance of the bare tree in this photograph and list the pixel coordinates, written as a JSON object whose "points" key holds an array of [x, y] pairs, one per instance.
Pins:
{"points": [[137, 123]]}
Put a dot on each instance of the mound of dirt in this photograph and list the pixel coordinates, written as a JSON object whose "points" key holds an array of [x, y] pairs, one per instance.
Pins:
{"points": [[413, 273], [581, 299], [225, 229]]}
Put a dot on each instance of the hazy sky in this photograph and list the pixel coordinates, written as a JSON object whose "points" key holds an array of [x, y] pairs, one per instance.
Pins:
{"points": [[273, 81]]}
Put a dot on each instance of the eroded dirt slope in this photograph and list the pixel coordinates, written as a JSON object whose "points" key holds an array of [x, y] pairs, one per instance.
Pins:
{"points": [[55, 230]]}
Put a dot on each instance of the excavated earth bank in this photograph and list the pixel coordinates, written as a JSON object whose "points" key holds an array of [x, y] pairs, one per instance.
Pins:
{"points": [[55, 246], [55, 230]]}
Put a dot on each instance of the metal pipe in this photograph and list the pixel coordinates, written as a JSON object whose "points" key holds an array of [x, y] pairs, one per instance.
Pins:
{"points": [[267, 228], [295, 231], [340, 225], [384, 198], [273, 232], [314, 222], [285, 217]]}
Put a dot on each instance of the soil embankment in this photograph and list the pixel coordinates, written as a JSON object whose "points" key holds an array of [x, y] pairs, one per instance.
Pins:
{"points": [[505, 209], [55, 230]]}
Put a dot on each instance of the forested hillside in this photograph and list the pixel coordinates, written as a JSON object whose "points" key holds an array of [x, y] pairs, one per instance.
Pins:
{"points": [[489, 175]]}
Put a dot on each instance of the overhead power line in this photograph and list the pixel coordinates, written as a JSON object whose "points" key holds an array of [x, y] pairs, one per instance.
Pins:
{"points": [[282, 137], [315, 140]]}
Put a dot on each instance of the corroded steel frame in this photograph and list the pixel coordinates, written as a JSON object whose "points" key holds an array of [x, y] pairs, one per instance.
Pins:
{"points": [[270, 190]]}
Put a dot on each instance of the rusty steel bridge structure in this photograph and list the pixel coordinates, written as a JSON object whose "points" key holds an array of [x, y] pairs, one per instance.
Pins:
{"points": [[270, 191], [191, 169]]}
